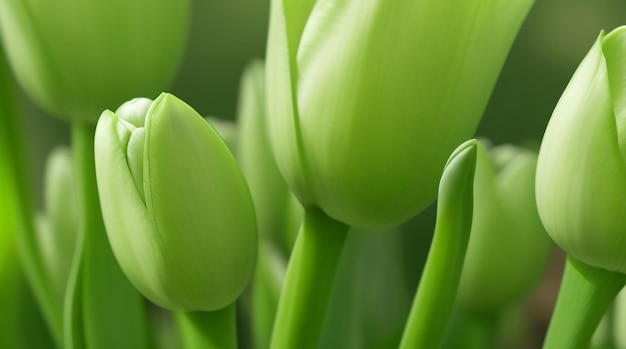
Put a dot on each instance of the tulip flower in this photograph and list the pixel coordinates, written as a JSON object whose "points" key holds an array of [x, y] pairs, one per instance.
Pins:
{"points": [[581, 189], [177, 209], [272, 198], [584, 211], [508, 248], [269, 190], [76, 58], [362, 114], [58, 226]]}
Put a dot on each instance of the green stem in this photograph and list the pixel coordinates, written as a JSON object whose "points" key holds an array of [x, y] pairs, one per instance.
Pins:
{"points": [[308, 283], [268, 280], [112, 310], [13, 154], [208, 330], [72, 310], [586, 293], [437, 289], [11, 280]]}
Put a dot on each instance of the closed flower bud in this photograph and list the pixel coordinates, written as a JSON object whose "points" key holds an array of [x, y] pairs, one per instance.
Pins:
{"points": [[581, 172], [58, 226], [508, 248], [272, 198], [366, 100], [176, 207], [77, 58]]}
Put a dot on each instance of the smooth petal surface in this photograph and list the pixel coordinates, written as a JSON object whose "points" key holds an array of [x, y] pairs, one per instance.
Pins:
{"points": [[177, 209], [77, 58], [377, 111], [614, 50], [508, 247], [287, 20], [202, 212], [581, 175], [268, 188], [60, 225], [128, 225]]}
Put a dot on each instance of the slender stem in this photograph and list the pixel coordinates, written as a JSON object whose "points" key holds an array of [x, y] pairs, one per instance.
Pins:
{"points": [[268, 280], [586, 293], [308, 283], [208, 330], [10, 275], [13, 154], [11, 278], [72, 307], [436, 292], [112, 310]]}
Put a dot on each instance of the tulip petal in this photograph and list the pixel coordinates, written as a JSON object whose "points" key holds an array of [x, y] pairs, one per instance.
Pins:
{"points": [[76, 58], [127, 221], [614, 49], [287, 20], [268, 188], [508, 246], [188, 173], [381, 111], [134, 157], [581, 177]]}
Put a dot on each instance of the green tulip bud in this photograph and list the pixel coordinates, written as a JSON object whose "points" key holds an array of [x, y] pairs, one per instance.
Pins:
{"points": [[362, 115], [270, 192], [581, 171], [77, 58], [272, 201], [58, 227], [508, 247], [176, 207]]}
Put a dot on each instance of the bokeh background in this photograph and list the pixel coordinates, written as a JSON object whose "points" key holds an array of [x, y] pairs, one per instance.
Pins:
{"points": [[226, 34]]}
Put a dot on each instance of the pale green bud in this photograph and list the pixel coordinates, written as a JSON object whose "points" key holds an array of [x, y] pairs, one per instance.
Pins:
{"points": [[76, 58], [58, 226], [271, 195], [367, 99], [508, 247], [581, 173], [176, 207]]}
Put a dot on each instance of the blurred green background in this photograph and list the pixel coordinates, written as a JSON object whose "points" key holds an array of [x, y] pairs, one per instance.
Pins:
{"points": [[227, 34]]}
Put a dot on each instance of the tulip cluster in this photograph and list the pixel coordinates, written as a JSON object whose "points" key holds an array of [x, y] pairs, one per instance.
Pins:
{"points": [[156, 220]]}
